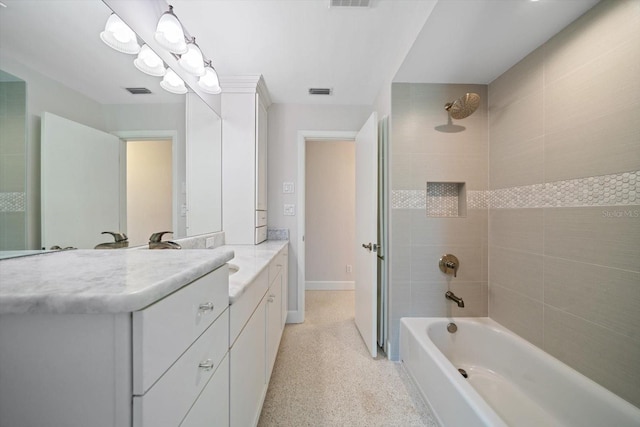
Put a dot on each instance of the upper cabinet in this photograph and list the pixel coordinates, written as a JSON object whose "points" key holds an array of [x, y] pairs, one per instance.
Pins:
{"points": [[245, 101]]}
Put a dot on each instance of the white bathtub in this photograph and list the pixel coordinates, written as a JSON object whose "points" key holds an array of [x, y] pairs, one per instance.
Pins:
{"points": [[510, 381]]}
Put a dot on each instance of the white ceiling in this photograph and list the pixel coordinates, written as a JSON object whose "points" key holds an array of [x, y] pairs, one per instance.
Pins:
{"points": [[296, 44], [475, 41]]}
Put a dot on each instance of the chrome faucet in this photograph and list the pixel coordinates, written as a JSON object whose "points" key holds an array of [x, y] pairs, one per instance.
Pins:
{"points": [[450, 295], [155, 241], [121, 241]]}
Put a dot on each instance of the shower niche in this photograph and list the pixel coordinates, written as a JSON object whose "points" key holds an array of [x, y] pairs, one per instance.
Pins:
{"points": [[446, 199]]}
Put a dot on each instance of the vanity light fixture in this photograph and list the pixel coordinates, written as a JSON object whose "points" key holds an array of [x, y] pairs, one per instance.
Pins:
{"points": [[173, 83], [209, 82], [192, 61], [119, 36], [149, 63], [170, 34]]}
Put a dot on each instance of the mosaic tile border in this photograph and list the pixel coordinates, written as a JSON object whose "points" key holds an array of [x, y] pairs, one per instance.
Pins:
{"points": [[605, 190], [13, 202]]}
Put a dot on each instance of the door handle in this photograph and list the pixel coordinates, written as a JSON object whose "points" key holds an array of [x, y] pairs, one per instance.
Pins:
{"points": [[371, 246]]}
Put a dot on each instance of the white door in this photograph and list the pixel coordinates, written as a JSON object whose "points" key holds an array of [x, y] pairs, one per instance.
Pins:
{"points": [[80, 183], [366, 232]]}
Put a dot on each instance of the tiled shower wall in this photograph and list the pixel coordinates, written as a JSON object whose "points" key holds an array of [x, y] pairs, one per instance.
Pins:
{"points": [[12, 165], [564, 218], [421, 152]]}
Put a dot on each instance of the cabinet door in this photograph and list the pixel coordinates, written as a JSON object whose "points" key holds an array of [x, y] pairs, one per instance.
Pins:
{"points": [[247, 370], [274, 322], [261, 156]]}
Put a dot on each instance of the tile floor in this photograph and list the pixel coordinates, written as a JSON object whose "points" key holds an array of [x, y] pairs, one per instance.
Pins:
{"points": [[324, 376]]}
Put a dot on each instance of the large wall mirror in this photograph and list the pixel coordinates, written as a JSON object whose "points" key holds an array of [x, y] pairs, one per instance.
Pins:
{"points": [[74, 99]]}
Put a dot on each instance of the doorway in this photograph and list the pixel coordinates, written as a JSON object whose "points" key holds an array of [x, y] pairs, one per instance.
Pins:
{"points": [[330, 214], [149, 189]]}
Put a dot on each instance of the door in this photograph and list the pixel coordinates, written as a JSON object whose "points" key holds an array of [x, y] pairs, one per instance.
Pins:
{"points": [[366, 232], [80, 183]]}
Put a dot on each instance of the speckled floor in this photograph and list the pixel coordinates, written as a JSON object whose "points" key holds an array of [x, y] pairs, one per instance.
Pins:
{"points": [[324, 375]]}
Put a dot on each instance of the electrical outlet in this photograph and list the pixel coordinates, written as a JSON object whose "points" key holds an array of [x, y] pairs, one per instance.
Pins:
{"points": [[288, 188], [349, 268], [289, 210]]}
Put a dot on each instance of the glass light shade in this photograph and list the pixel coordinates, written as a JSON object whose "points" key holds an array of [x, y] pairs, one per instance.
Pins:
{"points": [[119, 36], [192, 61], [173, 83], [169, 33], [150, 63], [210, 82]]}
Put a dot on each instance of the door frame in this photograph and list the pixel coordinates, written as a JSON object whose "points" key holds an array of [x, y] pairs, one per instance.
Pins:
{"points": [[297, 316], [149, 135]]}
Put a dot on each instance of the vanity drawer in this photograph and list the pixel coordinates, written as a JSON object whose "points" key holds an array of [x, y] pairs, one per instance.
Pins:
{"points": [[261, 234], [261, 218], [212, 407], [275, 266], [241, 310], [169, 400], [164, 330]]}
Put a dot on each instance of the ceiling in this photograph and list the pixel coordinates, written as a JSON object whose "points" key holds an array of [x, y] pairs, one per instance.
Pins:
{"points": [[297, 44]]}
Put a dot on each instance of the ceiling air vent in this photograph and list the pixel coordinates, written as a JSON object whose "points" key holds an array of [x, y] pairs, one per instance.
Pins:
{"points": [[320, 91], [349, 3], [138, 90]]}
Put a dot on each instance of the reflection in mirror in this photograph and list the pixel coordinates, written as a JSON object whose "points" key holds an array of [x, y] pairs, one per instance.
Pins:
{"points": [[69, 72], [13, 144]]}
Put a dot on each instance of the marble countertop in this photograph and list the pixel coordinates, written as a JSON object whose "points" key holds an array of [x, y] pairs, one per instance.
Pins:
{"points": [[101, 281], [251, 260]]}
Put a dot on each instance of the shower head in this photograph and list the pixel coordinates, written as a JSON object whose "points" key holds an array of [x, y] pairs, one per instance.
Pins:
{"points": [[464, 106]]}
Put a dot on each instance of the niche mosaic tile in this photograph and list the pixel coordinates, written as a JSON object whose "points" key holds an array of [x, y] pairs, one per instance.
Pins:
{"points": [[442, 199], [12, 202], [605, 190]]}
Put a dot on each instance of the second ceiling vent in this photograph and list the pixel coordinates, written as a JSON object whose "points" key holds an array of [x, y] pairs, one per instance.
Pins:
{"points": [[320, 91]]}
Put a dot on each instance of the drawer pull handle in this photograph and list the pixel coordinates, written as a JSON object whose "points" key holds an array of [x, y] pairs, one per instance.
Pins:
{"points": [[208, 306], [207, 365], [270, 299], [272, 296]]}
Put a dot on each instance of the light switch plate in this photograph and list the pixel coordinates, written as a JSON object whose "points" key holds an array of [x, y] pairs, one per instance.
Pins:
{"points": [[289, 210], [288, 188]]}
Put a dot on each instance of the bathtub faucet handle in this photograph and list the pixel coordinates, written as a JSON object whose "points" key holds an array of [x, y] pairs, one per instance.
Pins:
{"points": [[449, 263]]}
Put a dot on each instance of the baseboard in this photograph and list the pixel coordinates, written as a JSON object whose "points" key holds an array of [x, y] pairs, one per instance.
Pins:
{"points": [[329, 286], [295, 316]]}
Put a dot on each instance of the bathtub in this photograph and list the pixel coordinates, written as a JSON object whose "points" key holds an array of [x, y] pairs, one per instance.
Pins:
{"points": [[510, 381]]}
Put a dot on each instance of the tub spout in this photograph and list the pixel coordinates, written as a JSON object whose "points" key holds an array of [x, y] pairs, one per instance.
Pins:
{"points": [[450, 295]]}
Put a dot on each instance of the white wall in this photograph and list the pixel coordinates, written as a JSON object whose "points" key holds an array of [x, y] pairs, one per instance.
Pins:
{"points": [[329, 213], [285, 120]]}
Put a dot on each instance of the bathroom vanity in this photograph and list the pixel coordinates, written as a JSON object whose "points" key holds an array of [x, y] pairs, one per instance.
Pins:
{"points": [[258, 297], [115, 338], [139, 337]]}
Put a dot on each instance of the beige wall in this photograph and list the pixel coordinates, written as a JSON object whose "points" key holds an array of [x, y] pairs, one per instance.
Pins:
{"points": [[330, 211], [149, 190], [564, 239], [420, 153]]}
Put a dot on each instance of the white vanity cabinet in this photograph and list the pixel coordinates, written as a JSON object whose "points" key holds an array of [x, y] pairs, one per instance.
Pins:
{"points": [[256, 326], [179, 344], [245, 101], [157, 366]]}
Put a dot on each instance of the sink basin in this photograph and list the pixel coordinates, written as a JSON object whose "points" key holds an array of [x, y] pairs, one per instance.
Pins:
{"points": [[233, 269]]}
